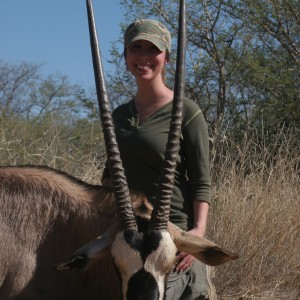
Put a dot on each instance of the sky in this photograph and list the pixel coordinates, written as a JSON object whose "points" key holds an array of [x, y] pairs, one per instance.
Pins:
{"points": [[54, 33]]}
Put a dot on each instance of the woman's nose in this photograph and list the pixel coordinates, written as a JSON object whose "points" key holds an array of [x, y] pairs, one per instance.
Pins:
{"points": [[145, 53]]}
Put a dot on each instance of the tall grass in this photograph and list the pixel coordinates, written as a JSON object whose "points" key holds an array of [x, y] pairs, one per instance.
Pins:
{"points": [[78, 151], [255, 210], [256, 213]]}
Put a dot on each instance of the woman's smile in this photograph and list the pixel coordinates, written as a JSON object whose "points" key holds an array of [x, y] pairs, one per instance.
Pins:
{"points": [[144, 58], [143, 67]]}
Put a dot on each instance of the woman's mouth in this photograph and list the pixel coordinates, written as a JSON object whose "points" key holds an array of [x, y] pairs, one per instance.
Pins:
{"points": [[143, 67]]}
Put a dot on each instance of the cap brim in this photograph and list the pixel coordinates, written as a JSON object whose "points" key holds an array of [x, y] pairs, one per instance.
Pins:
{"points": [[148, 38]]}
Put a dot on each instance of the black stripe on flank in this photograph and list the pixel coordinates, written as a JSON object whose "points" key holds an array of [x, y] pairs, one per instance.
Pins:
{"points": [[142, 286]]}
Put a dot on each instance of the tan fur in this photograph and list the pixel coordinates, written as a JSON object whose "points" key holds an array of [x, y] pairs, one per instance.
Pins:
{"points": [[203, 249], [44, 216]]}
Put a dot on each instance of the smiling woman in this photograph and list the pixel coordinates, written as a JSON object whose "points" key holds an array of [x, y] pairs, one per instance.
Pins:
{"points": [[142, 131], [146, 63], [142, 57], [151, 31], [147, 46]]}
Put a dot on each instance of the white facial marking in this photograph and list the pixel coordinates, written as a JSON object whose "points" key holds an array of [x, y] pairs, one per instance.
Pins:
{"points": [[127, 260], [160, 262]]}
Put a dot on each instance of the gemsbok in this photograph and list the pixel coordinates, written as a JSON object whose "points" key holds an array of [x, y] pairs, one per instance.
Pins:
{"points": [[46, 214]]}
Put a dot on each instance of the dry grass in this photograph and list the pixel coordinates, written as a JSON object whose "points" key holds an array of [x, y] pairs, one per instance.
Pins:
{"points": [[24, 143], [255, 211]]}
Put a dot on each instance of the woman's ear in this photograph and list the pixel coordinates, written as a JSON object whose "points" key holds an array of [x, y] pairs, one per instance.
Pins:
{"points": [[167, 57]]}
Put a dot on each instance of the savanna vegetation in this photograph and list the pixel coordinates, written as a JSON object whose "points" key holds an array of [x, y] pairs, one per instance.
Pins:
{"points": [[243, 60]]}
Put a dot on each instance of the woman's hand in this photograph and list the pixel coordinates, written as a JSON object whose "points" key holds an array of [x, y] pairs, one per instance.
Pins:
{"points": [[185, 260]]}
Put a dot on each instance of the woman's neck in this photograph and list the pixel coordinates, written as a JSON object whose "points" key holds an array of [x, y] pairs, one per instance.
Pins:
{"points": [[153, 94], [149, 99]]}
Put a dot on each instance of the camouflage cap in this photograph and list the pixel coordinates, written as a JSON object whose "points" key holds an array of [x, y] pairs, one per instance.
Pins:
{"points": [[149, 30]]}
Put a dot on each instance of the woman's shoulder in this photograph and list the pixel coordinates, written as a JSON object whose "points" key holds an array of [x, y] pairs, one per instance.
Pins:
{"points": [[191, 104], [190, 111], [122, 107], [121, 110]]}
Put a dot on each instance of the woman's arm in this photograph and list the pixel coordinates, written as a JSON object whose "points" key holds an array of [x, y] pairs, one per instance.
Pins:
{"points": [[201, 209]]}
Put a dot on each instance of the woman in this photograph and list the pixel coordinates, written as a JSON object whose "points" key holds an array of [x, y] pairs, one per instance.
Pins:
{"points": [[142, 127]]}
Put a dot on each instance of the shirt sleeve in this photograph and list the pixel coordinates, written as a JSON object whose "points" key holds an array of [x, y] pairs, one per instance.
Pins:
{"points": [[196, 147]]}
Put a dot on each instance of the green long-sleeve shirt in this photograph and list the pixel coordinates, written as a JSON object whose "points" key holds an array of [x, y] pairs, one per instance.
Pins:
{"points": [[142, 149]]}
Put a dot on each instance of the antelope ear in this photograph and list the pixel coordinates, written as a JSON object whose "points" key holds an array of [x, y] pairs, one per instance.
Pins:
{"points": [[204, 250], [90, 253]]}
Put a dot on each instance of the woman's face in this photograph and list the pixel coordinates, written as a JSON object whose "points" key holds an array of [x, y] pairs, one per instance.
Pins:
{"points": [[145, 61]]}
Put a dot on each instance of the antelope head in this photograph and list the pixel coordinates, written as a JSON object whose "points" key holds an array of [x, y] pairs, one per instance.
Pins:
{"points": [[144, 257]]}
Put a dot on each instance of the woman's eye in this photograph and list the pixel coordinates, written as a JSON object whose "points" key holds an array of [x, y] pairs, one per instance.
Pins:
{"points": [[154, 49], [135, 46]]}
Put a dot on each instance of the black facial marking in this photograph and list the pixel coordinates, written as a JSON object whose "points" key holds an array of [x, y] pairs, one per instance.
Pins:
{"points": [[151, 242], [142, 286], [134, 239], [142, 224], [145, 243]]}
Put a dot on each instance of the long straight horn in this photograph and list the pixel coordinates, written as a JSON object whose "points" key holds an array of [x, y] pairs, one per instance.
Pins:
{"points": [[120, 187], [161, 211]]}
